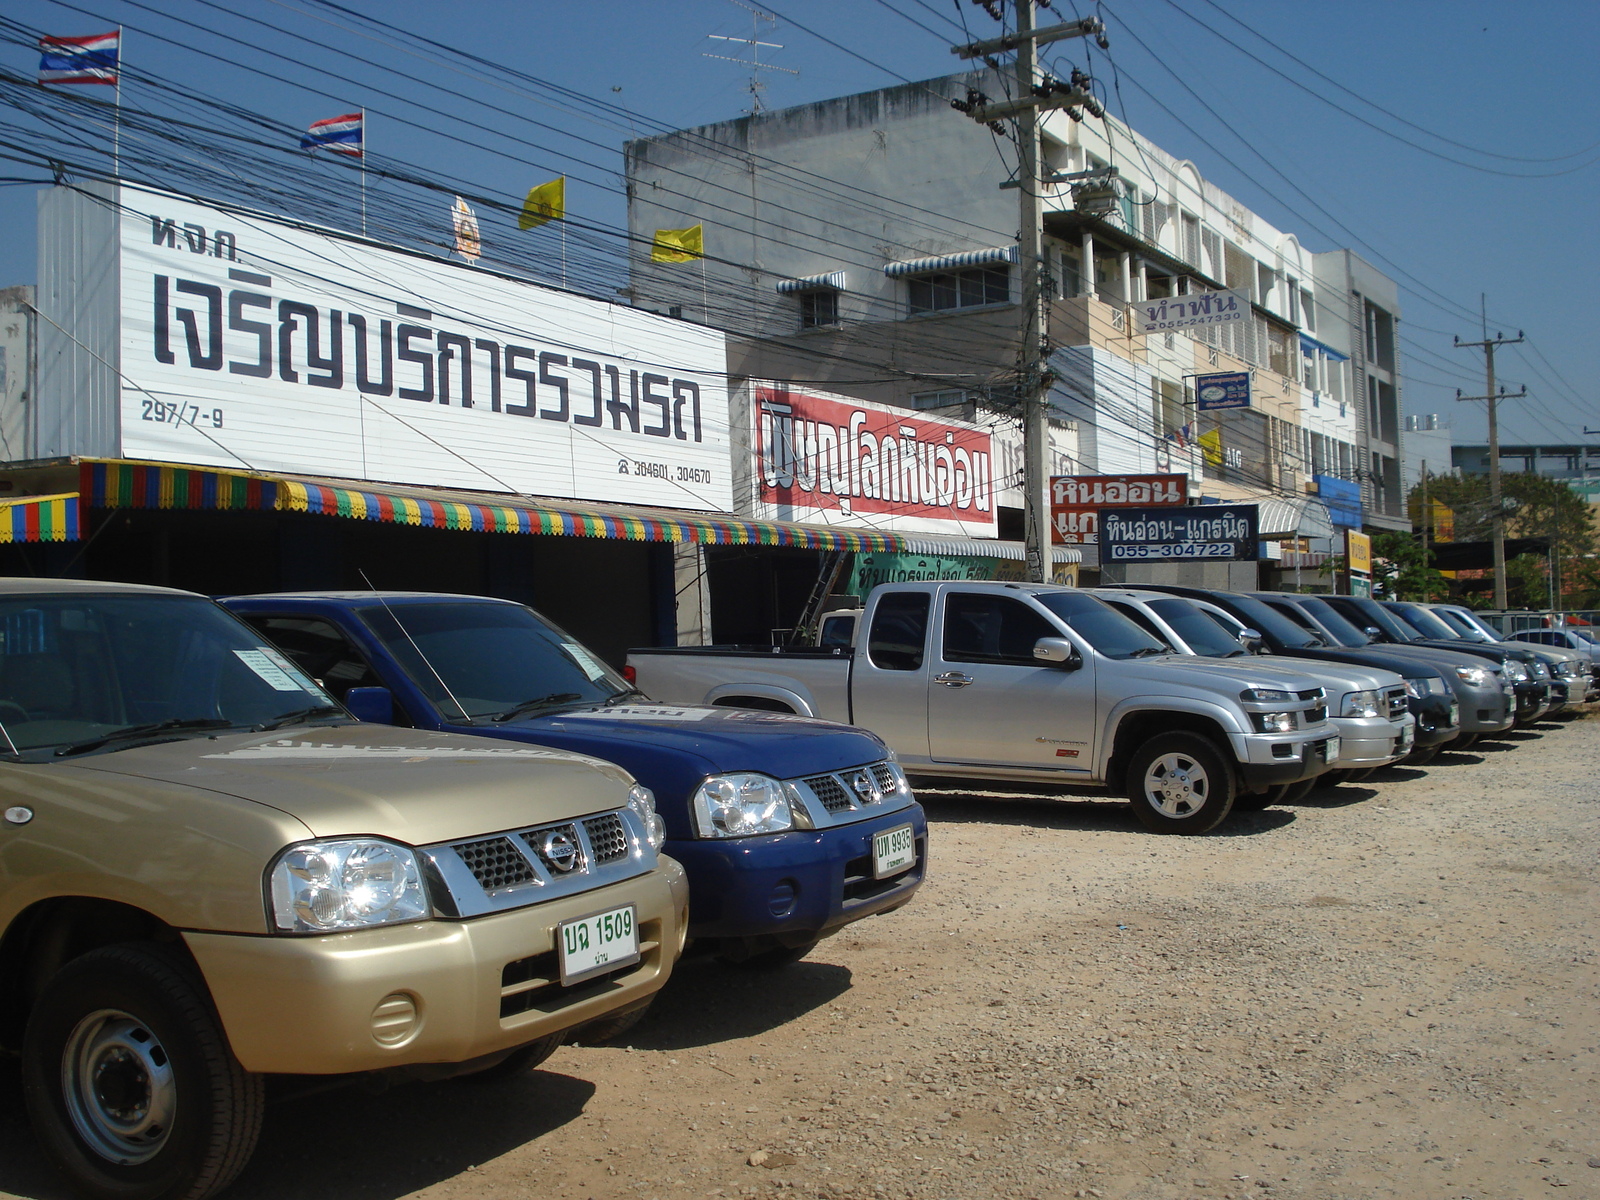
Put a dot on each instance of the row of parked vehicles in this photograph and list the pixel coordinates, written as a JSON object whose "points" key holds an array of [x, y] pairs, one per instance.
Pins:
{"points": [[421, 836]]}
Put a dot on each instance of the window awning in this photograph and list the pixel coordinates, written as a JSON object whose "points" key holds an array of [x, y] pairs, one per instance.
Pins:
{"points": [[40, 519], [833, 280], [1285, 518], [949, 262], [1310, 344], [108, 483], [959, 547]]}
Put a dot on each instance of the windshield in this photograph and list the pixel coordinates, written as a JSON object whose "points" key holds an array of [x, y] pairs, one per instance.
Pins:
{"points": [[1370, 612], [481, 660], [1469, 628], [1270, 622], [1107, 630], [81, 673], [1198, 631], [1335, 623], [1426, 623]]}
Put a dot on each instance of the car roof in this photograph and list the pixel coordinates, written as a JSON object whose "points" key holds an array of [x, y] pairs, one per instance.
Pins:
{"points": [[355, 596], [31, 586]]}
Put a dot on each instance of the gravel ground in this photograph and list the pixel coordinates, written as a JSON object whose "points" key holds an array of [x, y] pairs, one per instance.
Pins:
{"points": [[1386, 990]]}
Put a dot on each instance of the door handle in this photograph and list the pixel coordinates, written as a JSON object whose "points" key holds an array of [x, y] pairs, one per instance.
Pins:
{"points": [[953, 679]]}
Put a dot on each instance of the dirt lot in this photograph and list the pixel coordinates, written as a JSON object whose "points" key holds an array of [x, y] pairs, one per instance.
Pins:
{"points": [[1388, 990]]}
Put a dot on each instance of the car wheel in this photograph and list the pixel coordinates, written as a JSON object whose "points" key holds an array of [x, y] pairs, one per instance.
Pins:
{"points": [[519, 1062], [767, 960], [1180, 784], [130, 1083], [1421, 758], [609, 1028], [1462, 741]]}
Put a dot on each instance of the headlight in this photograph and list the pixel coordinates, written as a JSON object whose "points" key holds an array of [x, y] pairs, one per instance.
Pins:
{"points": [[1570, 669], [1274, 722], [320, 887], [1477, 676], [739, 805], [1538, 670], [1514, 671], [1362, 704], [1263, 696], [1418, 688], [643, 802]]}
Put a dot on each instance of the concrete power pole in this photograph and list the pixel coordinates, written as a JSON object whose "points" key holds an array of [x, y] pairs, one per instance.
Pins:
{"points": [[1496, 507], [1033, 372]]}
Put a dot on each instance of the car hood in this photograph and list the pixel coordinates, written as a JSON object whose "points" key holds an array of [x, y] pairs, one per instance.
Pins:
{"points": [[1222, 674], [412, 786], [699, 740], [1340, 678]]}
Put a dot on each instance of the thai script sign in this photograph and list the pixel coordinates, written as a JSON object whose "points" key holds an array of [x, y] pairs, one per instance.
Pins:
{"points": [[1209, 532], [838, 461], [1191, 311], [1230, 389], [251, 342], [1076, 501]]}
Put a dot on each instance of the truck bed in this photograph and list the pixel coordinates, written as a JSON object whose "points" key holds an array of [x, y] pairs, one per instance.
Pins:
{"points": [[809, 680]]}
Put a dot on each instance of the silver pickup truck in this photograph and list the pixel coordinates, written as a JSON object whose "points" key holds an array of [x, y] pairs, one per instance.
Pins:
{"points": [[1032, 683]]}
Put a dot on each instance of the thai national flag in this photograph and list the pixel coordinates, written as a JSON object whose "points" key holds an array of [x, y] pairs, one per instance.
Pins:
{"points": [[342, 135], [79, 59]]}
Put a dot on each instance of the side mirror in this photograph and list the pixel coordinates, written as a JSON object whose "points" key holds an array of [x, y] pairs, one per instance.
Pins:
{"points": [[1251, 640], [371, 704], [1059, 651], [1373, 632]]}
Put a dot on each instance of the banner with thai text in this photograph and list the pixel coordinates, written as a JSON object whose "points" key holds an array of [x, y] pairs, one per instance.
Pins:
{"points": [[1076, 501], [1208, 532], [1190, 312]]}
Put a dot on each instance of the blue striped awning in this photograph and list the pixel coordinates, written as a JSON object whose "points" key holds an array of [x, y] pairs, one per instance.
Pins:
{"points": [[1309, 345], [950, 262], [833, 280]]}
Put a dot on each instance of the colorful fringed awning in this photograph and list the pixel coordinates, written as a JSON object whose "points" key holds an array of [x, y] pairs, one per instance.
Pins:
{"points": [[40, 519], [117, 484]]}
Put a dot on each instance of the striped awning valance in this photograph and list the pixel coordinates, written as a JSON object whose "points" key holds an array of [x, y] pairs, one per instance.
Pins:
{"points": [[982, 548], [950, 262], [813, 283], [40, 519], [120, 484]]}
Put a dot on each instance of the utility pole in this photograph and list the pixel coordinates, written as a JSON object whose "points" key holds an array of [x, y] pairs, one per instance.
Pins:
{"points": [[1496, 507], [1033, 373]]}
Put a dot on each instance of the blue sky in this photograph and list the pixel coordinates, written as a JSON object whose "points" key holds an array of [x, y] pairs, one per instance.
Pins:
{"points": [[1516, 81]]}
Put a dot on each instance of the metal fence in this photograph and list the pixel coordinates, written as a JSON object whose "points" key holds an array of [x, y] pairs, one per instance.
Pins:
{"points": [[1518, 620]]}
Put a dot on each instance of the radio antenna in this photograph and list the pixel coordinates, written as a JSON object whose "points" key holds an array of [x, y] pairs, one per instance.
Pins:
{"points": [[395, 617]]}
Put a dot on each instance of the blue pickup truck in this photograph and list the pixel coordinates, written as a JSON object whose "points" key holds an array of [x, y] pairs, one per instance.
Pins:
{"points": [[789, 828]]}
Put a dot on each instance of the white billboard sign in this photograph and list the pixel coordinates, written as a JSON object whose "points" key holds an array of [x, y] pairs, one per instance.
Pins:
{"points": [[249, 342], [1191, 311]]}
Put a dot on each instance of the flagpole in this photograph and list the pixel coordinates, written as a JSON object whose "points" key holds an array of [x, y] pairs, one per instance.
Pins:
{"points": [[363, 172], [116, 117], [705, 295], [563, 249]]}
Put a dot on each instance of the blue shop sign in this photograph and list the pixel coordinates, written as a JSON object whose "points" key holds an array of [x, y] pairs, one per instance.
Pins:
{"points": [[1343, 498], [1228, 390]]}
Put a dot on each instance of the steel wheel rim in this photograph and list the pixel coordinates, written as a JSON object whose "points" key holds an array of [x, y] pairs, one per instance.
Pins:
{"points": [[117, 1081], [1176, 785]]}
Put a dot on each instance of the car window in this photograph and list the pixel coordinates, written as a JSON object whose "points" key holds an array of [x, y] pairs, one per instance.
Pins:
{"points": [[319, 648], [1202, 634], [899, 631], [992, 629], [1102, 626], [837, 630]]}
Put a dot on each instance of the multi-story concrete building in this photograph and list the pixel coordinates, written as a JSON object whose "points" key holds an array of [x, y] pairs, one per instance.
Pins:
{"points": [[866, 245]]}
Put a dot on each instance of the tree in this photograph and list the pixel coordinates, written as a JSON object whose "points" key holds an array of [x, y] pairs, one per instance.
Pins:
{"points": [[1400, 570]]}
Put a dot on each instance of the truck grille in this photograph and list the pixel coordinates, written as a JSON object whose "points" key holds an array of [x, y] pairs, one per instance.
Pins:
{"points": [[1397, 703], [524, 866], [839, 797], [830, 791]]}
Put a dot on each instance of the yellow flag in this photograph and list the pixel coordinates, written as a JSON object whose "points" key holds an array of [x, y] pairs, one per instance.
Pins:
{"points": [[1211, 446], [547, 202], [679, 245]]}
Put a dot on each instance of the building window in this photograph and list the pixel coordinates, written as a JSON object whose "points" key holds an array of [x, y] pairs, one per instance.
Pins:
{"points": [[947, 398], [959, 289], [818, 308]]}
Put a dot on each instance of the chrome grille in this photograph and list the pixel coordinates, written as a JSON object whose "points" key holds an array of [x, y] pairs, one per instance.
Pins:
{"points": [[607, 838], [495, 863], [830, 791], [535, 838], [1397, 703], [887, 783]]}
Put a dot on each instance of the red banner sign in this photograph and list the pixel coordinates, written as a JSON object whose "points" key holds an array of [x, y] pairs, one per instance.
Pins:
{"points": [[836, 460], [1076, 499]]}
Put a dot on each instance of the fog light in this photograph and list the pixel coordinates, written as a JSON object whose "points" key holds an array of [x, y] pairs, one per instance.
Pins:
{"points": [[396, 1020], [783, 899]]}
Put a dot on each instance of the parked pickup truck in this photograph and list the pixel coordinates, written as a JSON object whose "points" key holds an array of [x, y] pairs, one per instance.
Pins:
{"points": [[209, 873], [1034, 683], [789, 829]]}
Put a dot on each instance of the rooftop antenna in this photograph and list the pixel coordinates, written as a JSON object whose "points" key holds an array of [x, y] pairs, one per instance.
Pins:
{"points": [[757, 85]]}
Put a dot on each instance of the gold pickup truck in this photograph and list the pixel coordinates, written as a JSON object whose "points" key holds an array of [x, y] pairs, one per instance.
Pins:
{"points": [[209, 873]]}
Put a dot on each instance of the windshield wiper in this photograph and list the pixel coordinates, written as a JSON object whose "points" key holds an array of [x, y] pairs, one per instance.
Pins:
{"points": [[538, 702], [133, 732], [302, 714], [624, 697], [1148, 651]]}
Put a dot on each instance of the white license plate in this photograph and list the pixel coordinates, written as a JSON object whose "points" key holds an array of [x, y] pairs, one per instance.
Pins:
{"points": [[1408, 734], [893, 851], [592, 945], [1331, 752]]}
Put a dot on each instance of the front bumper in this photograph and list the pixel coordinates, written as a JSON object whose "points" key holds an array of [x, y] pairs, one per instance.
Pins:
{"points": [[1373, 741], [1533, 700], [1486, 709], [799, 885], [1438, 718], [1272, 759], [338, 1003]]}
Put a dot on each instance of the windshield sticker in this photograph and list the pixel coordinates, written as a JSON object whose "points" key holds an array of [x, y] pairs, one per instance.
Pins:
{"points": [[644, 712], [275, 670], [588, 663]]}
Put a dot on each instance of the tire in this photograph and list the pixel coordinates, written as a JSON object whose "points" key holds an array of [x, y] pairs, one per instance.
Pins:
{"points": [[519, 1062], [1178, 783], [1420, 758], [1284, 793], [1462, 741], [119, 1036], [1356, 775], [609, 1028], [768, 960]]}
